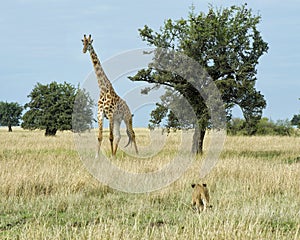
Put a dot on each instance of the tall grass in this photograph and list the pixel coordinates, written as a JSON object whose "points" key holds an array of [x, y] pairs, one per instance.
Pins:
{"points": [[46, 192]]}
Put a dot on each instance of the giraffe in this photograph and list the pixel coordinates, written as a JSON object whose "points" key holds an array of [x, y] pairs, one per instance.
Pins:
{"points": [[110, 105]]}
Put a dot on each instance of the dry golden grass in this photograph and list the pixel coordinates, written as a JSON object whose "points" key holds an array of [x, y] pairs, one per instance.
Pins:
{"points": [[47, 193]]}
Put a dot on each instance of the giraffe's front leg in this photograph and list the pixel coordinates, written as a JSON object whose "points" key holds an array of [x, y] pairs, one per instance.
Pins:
{"points": [[100, 131], [111, 135]]}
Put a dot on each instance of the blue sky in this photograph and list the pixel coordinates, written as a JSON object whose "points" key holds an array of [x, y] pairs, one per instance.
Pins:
{"points": [[41, 42]]}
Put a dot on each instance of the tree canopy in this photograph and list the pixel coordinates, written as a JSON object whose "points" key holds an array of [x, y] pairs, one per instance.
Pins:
{"points": [[227, 44], [10, 114], [51, 107]]}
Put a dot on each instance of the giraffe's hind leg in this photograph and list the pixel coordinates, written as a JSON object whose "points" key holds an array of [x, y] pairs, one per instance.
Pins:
{"points": [[130, 133], [117, 135]]}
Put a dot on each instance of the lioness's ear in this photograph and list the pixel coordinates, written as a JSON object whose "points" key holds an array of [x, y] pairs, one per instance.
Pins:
{"points": [[193, 185], [204, 185]]}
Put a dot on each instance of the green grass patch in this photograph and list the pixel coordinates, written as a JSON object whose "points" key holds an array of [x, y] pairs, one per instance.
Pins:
{"points": [[265, 155], [292, 160]]}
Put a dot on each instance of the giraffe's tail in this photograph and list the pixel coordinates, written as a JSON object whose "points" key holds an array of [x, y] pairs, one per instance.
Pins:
{"points": [[129, 137], [130, 133]]}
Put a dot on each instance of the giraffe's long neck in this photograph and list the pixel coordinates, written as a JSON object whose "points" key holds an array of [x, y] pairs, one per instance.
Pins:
{"points": [[103, 81]]}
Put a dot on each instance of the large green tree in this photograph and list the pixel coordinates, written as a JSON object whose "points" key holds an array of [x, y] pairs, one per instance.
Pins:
{"points": [[10, 114], [51, 108], [227, 44]]}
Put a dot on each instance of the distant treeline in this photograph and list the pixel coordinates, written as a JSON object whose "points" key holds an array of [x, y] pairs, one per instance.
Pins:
{"points": [[265, 126]]}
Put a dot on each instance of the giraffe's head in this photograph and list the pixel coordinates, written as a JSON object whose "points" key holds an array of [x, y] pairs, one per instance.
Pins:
{"points": [[87, 43]]}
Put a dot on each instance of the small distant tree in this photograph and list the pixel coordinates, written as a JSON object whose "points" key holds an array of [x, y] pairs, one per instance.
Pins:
{"points": [[283, 127], [51, 108], [296, 120], [265, 127], [236, 126], [10, 114]]}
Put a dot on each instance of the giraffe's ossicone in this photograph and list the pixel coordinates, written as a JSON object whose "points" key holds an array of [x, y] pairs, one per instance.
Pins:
{"points": [[110, 105]]}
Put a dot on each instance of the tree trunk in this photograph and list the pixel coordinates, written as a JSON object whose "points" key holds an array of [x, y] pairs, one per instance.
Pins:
{"points": [[9, 128], [50, 131], [198, 140]]}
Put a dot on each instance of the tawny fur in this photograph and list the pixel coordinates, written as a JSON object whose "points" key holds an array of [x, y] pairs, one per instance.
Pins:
{"points": [[200, 197]]}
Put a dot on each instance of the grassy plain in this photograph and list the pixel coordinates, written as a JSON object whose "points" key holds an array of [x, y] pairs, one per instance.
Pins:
{"points": [[47, 193]]}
